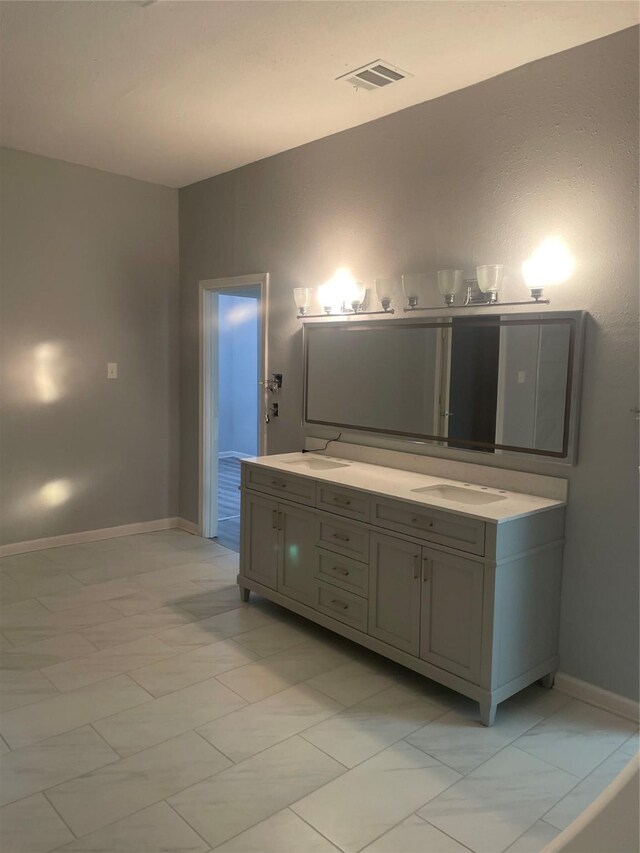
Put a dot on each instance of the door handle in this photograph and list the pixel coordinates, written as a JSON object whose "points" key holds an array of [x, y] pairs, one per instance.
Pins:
{"points": [[274, 521], [416, 567], [280, 521], [426, 572]]}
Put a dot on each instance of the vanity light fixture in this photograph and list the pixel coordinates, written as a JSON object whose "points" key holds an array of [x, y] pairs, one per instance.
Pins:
{"points": [[302, 298], [450, 284], [551, 263], [339, 296], [386, 289], [414, 287]]}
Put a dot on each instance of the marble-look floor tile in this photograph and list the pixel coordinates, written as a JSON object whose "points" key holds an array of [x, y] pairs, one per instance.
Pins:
{"points": [[107, 591], [35, 768], [282, 833], [152, 830], [220, 627], [67, 711], [129, 628], [25, 564], [460, 740], [19, 688], [4, 747], [216, 570], [139, 728], [576, 738], [351, 683], [104, 567], [270, 639], [222, 596], [108, 662], [99, 798], [14, 589], [31, 826], [415, 835], [29, 621], [577, 800], [538, 700], [149, 598], [270, 675], [632, 745], [492, 806], [249, 792], [181, 670], [375, 723], [46, 653], [534, 839], [263, 724], [366, 802]]}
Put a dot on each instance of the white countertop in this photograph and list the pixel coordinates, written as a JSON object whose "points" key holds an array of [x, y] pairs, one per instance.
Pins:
{"points": [[395, 483]]}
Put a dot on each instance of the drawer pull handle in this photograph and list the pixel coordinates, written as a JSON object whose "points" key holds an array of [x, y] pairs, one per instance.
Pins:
{"points": [[274, 522], [426, 574], [279, 484], [339, 604], [416, 567], [341, 571], [418, 520], [343, 537], [342, 501]]}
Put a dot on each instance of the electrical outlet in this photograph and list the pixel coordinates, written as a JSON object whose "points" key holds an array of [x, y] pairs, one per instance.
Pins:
{"points": [[112, 370], [521, 377]]}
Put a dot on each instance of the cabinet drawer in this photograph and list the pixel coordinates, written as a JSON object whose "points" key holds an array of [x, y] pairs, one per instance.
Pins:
{"points": [[342, 572], [456, 531], [341, 605], [283, 485], [345, 502], [344, 537]]}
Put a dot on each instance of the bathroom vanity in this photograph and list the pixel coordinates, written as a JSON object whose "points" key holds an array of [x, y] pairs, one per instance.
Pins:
{"points": [[456, 580]]}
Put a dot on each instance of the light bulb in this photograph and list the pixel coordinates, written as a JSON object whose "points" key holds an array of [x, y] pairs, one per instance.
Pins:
{"points": [[551, 263]]}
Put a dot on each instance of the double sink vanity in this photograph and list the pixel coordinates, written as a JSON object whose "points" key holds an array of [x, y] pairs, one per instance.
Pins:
{"points": [[459, 581]]}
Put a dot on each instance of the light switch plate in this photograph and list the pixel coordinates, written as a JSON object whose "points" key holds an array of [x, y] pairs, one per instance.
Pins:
{"points": [[112, 370]]}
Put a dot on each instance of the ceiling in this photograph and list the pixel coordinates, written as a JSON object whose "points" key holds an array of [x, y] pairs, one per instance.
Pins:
{"points": [[174, 92]]}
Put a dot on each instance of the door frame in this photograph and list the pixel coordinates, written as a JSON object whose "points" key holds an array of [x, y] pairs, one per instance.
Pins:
{"points": [[208, 361]]}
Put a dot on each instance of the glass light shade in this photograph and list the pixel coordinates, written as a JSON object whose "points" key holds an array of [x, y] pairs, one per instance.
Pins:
{"points": [[386, 291], [414, 287], [551, 263], [302, 298], [355, 293], [339, 289], [450, 283], [490, 277]]}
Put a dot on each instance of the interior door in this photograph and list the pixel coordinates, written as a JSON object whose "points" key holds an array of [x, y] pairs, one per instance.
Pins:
{"points": [[451, 613], [394, 592]]}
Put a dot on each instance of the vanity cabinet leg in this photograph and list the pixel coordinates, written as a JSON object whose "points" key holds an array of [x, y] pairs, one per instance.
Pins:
{"points": [[488, 712], [244, 593], [548, 680]]}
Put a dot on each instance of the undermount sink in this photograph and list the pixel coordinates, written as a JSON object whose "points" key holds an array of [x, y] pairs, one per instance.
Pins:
{"points": [[460, 495], [318, 464]]}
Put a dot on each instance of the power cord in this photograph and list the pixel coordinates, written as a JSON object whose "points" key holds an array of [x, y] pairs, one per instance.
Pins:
{"points": [[320, 449]]}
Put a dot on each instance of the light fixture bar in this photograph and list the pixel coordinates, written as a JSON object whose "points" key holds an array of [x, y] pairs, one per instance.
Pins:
{"points": [[475, 305], [344, 314]]}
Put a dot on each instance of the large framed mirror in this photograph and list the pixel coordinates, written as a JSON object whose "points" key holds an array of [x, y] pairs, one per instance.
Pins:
{"points": [[492, 383]]}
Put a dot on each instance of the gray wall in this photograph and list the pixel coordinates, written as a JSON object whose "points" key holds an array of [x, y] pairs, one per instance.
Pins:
{"points": [[477, 176], [89, 275]]}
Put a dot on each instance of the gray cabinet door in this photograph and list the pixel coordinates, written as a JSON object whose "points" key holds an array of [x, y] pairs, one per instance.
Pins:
{"points": [[394, 592], [259, 540], [297, 545], [451, 623]]}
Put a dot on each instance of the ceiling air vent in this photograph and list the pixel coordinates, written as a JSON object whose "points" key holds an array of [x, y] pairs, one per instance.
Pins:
{"points": [[375, 75]]}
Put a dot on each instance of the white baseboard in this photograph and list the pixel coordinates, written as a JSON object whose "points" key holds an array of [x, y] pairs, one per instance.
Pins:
{"points": [[189, 526], [613, 702], [91, 536]]}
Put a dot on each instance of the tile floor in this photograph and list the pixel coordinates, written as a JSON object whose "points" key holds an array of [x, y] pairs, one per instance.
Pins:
{"points": [[144, 708]]}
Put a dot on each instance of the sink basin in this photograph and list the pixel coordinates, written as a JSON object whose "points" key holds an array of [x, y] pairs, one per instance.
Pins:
{"points": [[318, 464], [460, 495]]}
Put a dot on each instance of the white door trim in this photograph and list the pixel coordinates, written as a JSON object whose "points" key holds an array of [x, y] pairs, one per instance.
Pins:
{"points": [[208, 353]]}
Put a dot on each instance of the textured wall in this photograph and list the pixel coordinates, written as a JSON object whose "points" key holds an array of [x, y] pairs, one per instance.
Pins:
{"points": [[478, 176], [89, 275]]}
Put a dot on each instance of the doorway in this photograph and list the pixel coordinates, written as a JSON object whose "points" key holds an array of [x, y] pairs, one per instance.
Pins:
{"points": [[233, 360]]}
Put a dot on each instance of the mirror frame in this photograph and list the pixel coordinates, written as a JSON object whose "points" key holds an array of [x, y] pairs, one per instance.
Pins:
{"points": [[576, 322]]}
